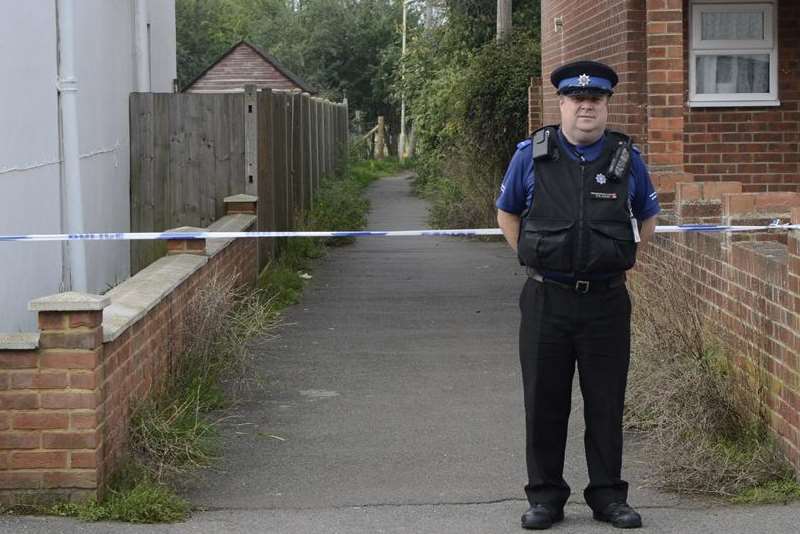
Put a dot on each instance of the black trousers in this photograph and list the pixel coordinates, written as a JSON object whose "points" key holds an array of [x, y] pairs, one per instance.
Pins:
{"points": [[560, 328]]}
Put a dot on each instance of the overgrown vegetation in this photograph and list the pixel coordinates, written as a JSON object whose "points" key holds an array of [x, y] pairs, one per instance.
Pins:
{"points": [[468, 97], [133, 498], [705, 429], [175, 432]]}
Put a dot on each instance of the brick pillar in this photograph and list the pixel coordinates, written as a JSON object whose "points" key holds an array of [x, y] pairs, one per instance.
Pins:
{"points": [[701, 202], [186, 245], [53, 442], [665, 95], [241, 204], [757, 209], [535, 105]]}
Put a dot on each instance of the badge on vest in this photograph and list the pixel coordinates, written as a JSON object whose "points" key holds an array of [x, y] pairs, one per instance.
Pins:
{"points": [[603, 196], [600, 179]]}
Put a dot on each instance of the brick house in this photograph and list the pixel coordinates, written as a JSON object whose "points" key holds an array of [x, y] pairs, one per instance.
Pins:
{"points": [[246, 64], [709, 88]]}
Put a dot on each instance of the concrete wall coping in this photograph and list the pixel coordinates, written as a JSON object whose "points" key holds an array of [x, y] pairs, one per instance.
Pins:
{"points": [[69, 301], [21, 341], [230, 223], [133, 298], [240, 198], [770, 250]]}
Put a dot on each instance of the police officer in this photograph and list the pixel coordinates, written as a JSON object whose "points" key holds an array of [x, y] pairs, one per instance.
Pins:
{"points": [[575, 203]]}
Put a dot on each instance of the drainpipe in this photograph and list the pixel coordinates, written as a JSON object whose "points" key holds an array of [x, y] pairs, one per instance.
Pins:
{"points": [[68, 89], [141, 45]]}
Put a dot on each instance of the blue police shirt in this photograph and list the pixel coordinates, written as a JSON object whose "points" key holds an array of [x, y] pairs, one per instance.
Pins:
{"points": [[516, 192]]}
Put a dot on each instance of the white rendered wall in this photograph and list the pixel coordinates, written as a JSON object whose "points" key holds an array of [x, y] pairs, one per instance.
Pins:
{"points": [[29, 159], [30, 200]]}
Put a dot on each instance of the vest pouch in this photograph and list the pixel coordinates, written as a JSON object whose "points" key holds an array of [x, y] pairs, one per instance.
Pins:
{"points": [[547, 244], [611, 247]]}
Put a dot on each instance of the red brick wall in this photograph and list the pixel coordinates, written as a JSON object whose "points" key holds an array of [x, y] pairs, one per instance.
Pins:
{"points": [[243, 66], [611, 31], [749, 288], [64, 408], [534, 105], [758, 146], [138, 362]]}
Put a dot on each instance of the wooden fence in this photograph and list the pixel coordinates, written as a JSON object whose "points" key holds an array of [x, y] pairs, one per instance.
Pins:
{"points": [[189, 151]]}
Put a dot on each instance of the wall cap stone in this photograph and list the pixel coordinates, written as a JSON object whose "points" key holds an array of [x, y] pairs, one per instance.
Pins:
{"points": [[69, 301], [240, 198], [133, 298], [187, 230], [20, 341], [238, 222]]}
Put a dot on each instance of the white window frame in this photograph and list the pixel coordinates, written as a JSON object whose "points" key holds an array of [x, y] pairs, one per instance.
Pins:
{"points": [[768, 46]]}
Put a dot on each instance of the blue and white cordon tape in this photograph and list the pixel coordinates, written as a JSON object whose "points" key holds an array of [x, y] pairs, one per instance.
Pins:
{"points": [[150, 236]]}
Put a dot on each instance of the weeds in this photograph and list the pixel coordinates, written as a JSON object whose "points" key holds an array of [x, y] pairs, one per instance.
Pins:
{"points": [[144, 502], [704, 431], [175, 432]]}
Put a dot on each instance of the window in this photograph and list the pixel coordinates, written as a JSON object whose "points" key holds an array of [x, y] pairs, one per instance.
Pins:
{"points": [[733, 59]]}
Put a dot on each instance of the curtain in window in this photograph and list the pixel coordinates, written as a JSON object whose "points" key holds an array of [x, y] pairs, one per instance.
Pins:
{"points": [[733, 74], [720, 26]]}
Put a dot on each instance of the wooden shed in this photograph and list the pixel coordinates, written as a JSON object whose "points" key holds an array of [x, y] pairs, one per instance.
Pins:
{"points": [[245, 64]]}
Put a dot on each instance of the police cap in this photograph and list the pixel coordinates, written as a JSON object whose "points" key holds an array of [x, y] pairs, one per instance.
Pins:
{"points": [[584, 77]]}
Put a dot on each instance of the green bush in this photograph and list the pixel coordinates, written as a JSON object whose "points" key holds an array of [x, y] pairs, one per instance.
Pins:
{"points": [[469, 119]]}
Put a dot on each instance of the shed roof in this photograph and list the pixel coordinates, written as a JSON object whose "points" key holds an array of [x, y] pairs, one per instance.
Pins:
{"points": [[274, 63]]}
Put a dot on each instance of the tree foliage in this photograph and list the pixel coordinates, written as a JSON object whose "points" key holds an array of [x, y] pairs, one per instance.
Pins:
{"points": [[468, 97], [343, 48]]}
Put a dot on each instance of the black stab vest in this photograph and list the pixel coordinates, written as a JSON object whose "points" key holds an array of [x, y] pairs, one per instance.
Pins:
{"points": [[580, 221]]}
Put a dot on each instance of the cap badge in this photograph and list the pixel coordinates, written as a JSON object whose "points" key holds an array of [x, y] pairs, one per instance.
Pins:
{"points": [[584, 80], [600, 179]]}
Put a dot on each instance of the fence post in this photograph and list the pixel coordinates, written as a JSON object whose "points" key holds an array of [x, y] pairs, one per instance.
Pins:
{"points": [[266, 181], [305, 141], [251, 139], [379, 139], [298, 189]]}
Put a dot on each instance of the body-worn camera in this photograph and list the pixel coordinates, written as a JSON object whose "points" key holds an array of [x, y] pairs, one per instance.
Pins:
{"points": [[620, 162]]}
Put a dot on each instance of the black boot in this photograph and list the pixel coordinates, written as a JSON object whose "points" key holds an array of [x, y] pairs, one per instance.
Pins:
{"points": [[620, 515], [541, 517]]}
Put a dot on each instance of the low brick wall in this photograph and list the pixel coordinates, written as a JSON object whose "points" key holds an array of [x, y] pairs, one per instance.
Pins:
{"points": [[748, 285], [66, 392]]}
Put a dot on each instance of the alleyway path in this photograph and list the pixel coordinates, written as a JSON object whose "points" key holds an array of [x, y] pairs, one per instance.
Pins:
{"points": [[394, 405]]}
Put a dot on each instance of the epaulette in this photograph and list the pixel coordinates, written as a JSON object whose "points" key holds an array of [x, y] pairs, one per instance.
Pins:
{"points": [[523, 144], [636, 149]]}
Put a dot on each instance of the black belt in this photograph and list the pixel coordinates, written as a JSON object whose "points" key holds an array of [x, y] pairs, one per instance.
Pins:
{"points": [[580, 286]]}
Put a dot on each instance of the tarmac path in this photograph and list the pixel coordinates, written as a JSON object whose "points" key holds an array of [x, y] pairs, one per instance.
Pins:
{"points": [[394, 405]]}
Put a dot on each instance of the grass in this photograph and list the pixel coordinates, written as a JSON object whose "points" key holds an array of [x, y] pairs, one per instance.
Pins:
{"points": [[144, 502], [176, 431], [772, 492], [704, 426]]}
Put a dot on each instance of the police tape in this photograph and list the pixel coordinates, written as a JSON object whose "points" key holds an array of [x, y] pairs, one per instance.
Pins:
{"points": [[152, 236]]}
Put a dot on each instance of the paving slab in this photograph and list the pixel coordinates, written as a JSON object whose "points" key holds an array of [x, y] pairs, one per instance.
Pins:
{"points": [[394, 404]]}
